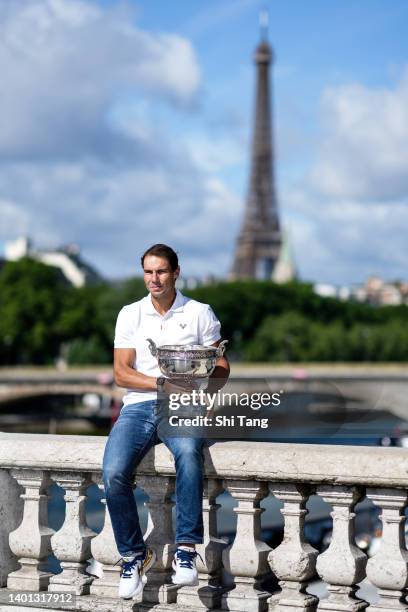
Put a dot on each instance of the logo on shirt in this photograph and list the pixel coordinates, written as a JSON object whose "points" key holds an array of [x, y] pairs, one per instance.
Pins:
{"points": [[182, 325]]}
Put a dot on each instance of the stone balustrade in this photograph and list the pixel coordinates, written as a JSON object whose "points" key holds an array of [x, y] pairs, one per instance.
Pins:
{"points": [[245, 575]]}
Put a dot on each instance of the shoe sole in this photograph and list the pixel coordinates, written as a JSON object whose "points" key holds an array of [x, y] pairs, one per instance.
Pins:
{"points": [[195, 583], [143, 578]]}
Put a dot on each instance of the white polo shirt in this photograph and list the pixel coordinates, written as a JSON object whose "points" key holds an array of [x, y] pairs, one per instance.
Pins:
{"points": [[187, 322]]}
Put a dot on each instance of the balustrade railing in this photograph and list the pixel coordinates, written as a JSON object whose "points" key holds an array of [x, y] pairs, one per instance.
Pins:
{"points": [[243, 575]]}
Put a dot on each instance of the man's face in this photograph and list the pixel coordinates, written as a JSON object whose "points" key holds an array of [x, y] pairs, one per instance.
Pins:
{"points": [[158, 276]]}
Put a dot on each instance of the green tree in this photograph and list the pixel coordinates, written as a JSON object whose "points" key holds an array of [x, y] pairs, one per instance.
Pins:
{"points": [[31, 298], [85, 351], [40, 315], [283, 338], [88, 320], [113, 298]]}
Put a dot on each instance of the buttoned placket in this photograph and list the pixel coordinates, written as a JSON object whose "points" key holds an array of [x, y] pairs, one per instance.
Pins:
{"points": [[167, 316], [163, 320]]}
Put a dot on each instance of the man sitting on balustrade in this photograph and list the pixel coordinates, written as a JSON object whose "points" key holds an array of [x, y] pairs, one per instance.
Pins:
{"points": [[168, 317]]}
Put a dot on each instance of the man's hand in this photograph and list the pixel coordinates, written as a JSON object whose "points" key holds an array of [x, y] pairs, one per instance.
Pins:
{"points": [[220, 375], [180, 386]]}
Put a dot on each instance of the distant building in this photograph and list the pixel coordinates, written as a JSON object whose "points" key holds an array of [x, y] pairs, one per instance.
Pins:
{"points": [[375, 291], [192, 282], [403, 287], [258, 244], [16, 249], [284, 270], [326, 290], [67, 259], [380, 292]]}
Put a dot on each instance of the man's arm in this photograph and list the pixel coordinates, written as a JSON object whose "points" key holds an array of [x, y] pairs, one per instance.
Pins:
{"points": [[125, 374], [221, 373]]}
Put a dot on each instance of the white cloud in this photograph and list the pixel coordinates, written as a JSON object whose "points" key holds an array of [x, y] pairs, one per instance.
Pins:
{"points": [[64, 64], [364, 152], [116, 213], [76, 167], [12, 216], [349, 211], [347, 242], [215, 154]]}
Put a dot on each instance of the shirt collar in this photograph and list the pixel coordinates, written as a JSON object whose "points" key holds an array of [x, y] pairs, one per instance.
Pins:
{"points": [[177, 306]]}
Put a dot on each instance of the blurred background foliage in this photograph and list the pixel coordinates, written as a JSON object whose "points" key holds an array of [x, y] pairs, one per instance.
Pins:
{"points": [[43, 319]]}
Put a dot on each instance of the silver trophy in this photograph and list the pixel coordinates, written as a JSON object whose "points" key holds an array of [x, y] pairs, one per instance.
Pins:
{"points": [[186, 362]]}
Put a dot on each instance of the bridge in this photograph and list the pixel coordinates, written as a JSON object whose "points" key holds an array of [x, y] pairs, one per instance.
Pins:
{"points": [[374, 387], [322, 389], [26, 389]]}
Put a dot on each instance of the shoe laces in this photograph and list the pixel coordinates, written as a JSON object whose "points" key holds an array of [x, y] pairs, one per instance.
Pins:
{"points": [[129, 566], [186, 558]]}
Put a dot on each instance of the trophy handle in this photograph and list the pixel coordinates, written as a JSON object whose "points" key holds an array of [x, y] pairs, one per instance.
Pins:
{"points": [[152, 347], [221, 348]]}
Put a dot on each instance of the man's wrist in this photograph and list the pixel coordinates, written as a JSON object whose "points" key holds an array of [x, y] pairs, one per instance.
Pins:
{"points": [[160, 381], [217, 379]]}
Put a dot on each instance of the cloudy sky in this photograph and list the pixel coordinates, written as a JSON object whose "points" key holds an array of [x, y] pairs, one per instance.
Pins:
{"points": [[128, 123]]}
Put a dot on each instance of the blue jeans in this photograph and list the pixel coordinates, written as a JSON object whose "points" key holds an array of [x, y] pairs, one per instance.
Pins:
{"points": [[133, 435]]}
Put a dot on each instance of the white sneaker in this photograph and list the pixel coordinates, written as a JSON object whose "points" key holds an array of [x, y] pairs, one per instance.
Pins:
{"points": [[184, 565], [132, 577]]}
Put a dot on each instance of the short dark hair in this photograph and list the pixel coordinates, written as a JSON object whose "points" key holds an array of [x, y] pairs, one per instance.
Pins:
{"points": [[164, 251]]}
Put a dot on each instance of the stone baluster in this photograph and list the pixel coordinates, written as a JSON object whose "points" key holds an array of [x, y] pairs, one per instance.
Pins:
{"points": [[294, 560], [388, 568], [11, 514], [160, 537], [72, 543], [343, 564], [209, 591], [30, 542], [247, 557], [104, 550]]}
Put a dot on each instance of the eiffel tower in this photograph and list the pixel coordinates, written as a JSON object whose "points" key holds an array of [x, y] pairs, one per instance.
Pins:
{"points": [[259, 241]]}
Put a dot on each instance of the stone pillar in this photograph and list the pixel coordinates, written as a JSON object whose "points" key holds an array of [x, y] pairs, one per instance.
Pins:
{"points": [[104, 550], [72, 543], [247, 557], [294, 560], [30, 542], [160, 537], [343, 564], [388, 569], [207, 595], [11, 513]]}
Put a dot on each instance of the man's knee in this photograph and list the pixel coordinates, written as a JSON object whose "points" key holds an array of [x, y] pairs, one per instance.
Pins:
{"points": [[188, 451], [116, 479]]}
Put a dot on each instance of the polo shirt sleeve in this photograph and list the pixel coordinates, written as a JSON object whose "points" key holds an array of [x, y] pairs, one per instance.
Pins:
{"points": [[209, 327], [124, 330]]}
